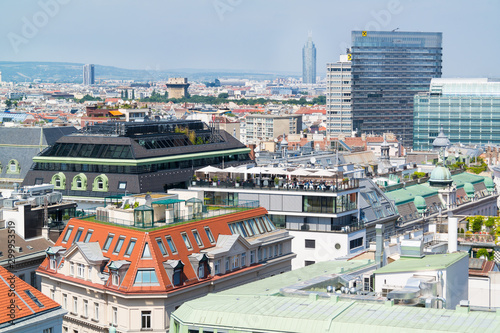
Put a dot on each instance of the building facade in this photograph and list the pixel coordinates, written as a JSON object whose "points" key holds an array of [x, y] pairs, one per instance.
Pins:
{"points": [[338, 97], [309, 62], [134, 278], [260, 127], [88, 75], [388, 69], [177, 87], [468, 109]]}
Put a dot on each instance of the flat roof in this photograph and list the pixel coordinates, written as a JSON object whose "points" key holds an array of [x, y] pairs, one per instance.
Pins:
{"points": [[427, 263]]}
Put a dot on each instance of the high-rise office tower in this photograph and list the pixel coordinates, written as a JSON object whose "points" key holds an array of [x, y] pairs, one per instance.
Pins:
{"points": [[388, 69], [309, 61], [338, 97], [88, 74]]}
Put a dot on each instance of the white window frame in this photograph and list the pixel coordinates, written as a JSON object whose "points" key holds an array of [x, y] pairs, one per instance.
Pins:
{"points": [[85, 308], [114, 315], [96, 312], [75, 305], [80, 271]]}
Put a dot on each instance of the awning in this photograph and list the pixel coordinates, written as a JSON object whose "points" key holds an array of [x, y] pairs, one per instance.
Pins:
{"points": [[116, 113], [167, 201]]}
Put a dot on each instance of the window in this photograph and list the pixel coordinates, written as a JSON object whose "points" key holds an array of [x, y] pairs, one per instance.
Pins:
{"points": [[71, 269], [186, 241], [236, 262], [227, 264], [310, 244], [48, 330], [209, 235], [14, 167], [80, 270], [146, 277], [75, 305], [280, 249], [243, 259], [65, 301], [52, 263], [67, 234], [260, 254], [197, 238], [114, 315], [146, 253], [171, 244], [275, 250], [356, 243], [85, 308], [53, 294], [130, 247], [21, 276], [88, 236], [217, 267], [79, 182], [163, 250], [100, 183], [122, 185], [119, 245], [96, 311], [107, 244], [78, 235], [201, 270], [145, 319], [252, 257], [177, 276], [309, 262], [116, 279]]}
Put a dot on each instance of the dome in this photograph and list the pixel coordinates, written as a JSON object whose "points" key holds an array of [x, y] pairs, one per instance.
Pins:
{"points": [[441, 140], [469, 189], [420, 203], [489, 184], [440, 176]]}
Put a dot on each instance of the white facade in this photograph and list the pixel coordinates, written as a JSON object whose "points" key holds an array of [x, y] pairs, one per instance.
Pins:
{"points": [[338, 97], [485, 291]]}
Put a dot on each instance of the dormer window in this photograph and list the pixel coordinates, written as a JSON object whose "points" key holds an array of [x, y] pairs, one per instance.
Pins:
{"points": [[107, 244], [80, 270], [67, 234], [209, 235], [186, 241], [52, 263], [115, 279]]}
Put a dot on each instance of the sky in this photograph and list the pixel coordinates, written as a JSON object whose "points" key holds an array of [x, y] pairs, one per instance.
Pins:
{"points": [[244, 35]]}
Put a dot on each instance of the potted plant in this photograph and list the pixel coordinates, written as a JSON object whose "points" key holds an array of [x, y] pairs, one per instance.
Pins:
{"points": [[276, 182], [237, 184], [215, 179], [193, 182]]}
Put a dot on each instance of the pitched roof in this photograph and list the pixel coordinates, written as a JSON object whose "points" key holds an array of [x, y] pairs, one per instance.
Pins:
{"points": [[26, 306]]}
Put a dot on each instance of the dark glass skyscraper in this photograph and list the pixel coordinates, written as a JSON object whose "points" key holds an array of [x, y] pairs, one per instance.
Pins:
{"points": [[88, 74], [388, 69], [309, 61]]}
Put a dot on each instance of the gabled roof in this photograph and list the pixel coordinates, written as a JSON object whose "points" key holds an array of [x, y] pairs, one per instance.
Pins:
{"points": [[226, 242], [91, 251], [26, 306]]}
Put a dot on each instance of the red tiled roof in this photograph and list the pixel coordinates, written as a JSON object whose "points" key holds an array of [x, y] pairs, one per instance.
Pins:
{"points": [[24, 305], [218, 226]]}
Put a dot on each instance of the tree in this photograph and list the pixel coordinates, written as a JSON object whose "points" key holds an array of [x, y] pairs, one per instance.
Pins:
{"points": [[223, 95], [490, 222], [477, 223], [483, 253]]}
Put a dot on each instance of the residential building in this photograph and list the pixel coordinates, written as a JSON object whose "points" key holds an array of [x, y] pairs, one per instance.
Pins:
{"points": [[266, 127], [336, 296], [338, 97], [309, 62], [177, 87], [114, 157], [25, 309], [20, 145], [88, 75], [134, 271], [468, 109], [388, 69]]}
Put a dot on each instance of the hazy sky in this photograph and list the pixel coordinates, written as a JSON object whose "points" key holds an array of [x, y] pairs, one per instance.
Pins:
{"points": [[257, 35]]}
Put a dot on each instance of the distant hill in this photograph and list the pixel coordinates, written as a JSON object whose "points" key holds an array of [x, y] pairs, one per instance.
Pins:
{"points": [[73, 73]]}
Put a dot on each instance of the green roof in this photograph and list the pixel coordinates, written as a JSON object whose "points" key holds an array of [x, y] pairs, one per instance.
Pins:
{"points": [[427, 263], [272, 285], [407, 194], [465, 177]]}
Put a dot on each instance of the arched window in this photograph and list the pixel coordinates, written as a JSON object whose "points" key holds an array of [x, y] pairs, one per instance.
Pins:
{"points": [[13, 167], [100, 183], [59, 181], [79, 182]]}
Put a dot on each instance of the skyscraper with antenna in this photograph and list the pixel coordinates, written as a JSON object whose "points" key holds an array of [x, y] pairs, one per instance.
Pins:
{"points": [[309, 61]]}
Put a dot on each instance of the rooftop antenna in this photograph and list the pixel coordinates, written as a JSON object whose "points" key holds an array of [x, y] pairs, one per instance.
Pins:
{"points": [[395, 29]]}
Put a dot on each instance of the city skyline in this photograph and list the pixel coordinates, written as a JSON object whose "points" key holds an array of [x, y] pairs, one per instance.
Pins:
{"points": [[214, 34]]}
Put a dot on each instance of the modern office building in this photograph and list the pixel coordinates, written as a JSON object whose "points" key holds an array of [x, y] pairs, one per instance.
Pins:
{"points": [[131, 271], [266, 127], [338, 97], [388, 69], [117, 157], [309, 61], [88, 74], [468, 110]]}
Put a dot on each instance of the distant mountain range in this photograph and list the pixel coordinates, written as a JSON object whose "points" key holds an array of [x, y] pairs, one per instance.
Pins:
{"points": [[73, 73]]}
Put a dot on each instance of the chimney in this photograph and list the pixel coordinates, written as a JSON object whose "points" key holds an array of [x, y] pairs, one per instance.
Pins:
{"points": [[452, 234], [379, 230]]}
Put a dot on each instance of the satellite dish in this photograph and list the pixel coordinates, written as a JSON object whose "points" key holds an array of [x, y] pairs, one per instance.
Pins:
{"points": [[313, 160]]}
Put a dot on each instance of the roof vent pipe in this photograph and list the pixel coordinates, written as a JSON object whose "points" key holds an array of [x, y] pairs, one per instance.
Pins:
{"points": [[379, 230]]}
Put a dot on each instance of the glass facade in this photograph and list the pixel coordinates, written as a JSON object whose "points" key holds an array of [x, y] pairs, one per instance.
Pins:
{"points": [[468, 110], [388, 70], [329, 205], [309, 62]]}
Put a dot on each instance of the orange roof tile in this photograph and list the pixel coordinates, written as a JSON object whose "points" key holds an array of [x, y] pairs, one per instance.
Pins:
{"points": [[23, 305]]}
